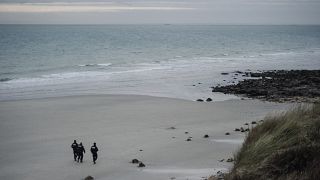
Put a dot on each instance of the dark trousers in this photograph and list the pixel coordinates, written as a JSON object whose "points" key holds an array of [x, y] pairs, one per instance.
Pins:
{"points": [[75, 156], [80, 157], [95, 157]]}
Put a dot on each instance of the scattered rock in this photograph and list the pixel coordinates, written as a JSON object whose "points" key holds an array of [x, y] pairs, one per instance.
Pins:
{"points": [[135, 161], [172, 128], [186, 132], [141, 165], [206, 136], [209, 100], [253, 122], [227, 133], [189, 139], [221, 160], [200, 100], [89, 178], [236, 129], [230, 160], [224, 73], [140, 150]]}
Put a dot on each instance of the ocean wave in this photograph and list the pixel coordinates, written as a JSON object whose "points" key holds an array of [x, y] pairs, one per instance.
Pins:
{"points": [[5, 79], [95, 65]]}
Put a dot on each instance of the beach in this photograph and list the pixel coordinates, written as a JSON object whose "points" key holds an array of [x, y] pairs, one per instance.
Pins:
{"points": [[37, 134]]}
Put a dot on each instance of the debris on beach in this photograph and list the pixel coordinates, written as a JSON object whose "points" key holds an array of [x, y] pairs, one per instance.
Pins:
{"points": [[230, 160], [206, 136], [135, 161], [141, 164], [89, 178]]}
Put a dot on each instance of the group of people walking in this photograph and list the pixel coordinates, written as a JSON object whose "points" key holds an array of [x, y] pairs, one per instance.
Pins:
{"points": [[78, 151]]}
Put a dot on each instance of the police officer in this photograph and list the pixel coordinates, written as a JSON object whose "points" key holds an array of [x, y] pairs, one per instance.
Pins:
{"points": [[80, 151], [74, 146], [94, 150]]}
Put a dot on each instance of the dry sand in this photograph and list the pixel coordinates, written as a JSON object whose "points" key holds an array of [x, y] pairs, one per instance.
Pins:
{"points": [[36, 136]]}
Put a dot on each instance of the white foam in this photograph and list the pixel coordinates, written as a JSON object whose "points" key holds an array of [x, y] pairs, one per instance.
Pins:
{"points": [[100, 64]]}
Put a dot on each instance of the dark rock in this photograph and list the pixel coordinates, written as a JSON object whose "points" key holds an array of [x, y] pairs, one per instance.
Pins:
{"points": [[206, 136], [209, 100], [135, 161], [277, 85], [200, 100], [230, 160], [141, 165], [221, 160], [253, 122], [227, 133], [89, 178], [224, 73], [236, 129], [140, 150], [189, 139], [186, 132]]}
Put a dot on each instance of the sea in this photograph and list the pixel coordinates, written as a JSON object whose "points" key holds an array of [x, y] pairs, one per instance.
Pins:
{"points": [[173, 61]]}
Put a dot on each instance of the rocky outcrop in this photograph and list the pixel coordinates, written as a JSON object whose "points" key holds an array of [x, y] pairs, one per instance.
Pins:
{"points": [[279, 85]]}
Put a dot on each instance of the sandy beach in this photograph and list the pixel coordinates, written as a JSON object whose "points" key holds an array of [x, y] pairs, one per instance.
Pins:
{"points": [[37, 134]]}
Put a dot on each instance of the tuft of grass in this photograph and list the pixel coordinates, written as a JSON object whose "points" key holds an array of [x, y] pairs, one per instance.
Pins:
{"points": [[286, 146]]}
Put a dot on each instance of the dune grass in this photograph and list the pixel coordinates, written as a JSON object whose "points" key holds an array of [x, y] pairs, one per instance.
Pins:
{"points": [[286, 146]]}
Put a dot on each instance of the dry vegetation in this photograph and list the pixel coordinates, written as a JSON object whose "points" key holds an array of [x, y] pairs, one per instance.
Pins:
{"points": [[286, 146]]}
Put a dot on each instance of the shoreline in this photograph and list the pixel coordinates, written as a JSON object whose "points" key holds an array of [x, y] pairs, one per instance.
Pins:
{"points": [[122, 125]]}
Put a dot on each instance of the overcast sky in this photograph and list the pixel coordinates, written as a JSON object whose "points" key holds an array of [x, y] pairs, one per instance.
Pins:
{"points": [[160, 12]]}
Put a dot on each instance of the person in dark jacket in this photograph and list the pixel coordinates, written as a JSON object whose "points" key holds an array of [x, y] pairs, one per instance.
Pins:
{"points": [[74, 146], [80, 151], [94, 150]]}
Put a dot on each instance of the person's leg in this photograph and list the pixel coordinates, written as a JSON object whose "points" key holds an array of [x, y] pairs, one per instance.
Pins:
{"points": [[95, 156], [81, 158], [75, 156]]}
